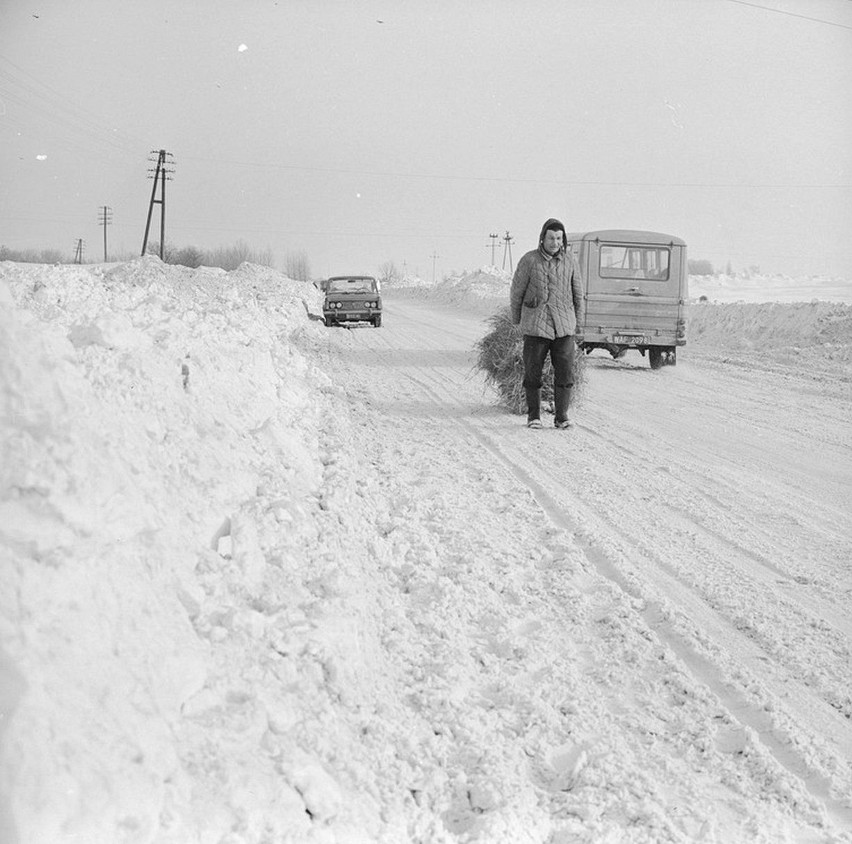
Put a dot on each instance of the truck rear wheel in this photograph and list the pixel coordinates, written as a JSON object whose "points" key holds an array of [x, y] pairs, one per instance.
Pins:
{"points": [[655, 357]]}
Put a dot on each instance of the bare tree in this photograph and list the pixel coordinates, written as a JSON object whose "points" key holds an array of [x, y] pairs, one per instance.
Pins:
{"points": [[169, 251], [296, 266], [230, 257], [389, 273], [188, 256]]}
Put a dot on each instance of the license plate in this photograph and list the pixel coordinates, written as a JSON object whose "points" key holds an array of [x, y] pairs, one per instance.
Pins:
{"points": [[628, 339]]}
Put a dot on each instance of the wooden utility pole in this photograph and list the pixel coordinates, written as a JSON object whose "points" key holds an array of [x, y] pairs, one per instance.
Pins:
{"points": [[493, 247], [434, 256], [105, 219], [78, 252], [507, 247], [160, 177]]}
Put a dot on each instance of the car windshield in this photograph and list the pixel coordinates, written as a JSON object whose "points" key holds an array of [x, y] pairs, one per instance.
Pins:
{"points": [[642, 262], [352, 285]]}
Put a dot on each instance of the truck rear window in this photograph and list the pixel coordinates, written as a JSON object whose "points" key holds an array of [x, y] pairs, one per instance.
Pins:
{"points": [[632, 262]]}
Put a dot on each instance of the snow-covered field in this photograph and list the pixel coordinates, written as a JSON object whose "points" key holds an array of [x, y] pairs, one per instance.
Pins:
{"points": [[265, 581]]}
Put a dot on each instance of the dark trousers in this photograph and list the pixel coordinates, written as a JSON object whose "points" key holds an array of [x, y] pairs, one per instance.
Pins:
{"points": [[561, 356]]}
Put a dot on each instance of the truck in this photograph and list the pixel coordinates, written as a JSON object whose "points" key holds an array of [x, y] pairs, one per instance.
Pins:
{"points": [[635, 291]]}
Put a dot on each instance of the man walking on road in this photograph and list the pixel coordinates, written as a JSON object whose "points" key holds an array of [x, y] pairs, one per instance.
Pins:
{"points": [[546, 300]]}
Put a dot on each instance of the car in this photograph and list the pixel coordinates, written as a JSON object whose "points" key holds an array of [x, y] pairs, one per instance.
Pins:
{"points": [[635, 290], [352, 299]]}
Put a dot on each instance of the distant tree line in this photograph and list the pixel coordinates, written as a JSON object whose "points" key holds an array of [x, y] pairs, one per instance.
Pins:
{"points": [[702, 267], [296, 264], [33, 256]]}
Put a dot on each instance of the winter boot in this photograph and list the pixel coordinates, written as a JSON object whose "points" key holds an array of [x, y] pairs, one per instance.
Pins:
{"points": [[533, 407], [561, 400]]}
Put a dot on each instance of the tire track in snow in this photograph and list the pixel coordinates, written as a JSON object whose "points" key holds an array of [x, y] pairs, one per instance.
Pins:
{"points": [[699, 481], [733, 552], [702, 668], [751, 644], [748, 563], [641, 554]]}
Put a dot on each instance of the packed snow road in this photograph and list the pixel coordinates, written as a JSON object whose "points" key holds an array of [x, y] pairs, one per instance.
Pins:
{"points": [[672, 574]]}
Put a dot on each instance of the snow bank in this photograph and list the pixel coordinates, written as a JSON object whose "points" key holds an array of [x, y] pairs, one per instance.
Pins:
{"points": [[818, 332], [407, 282], [483, 290], [144, 410]]}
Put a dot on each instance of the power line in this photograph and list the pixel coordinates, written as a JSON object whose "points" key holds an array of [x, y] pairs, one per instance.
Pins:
{"points": [[188, 227], [791, 14], [45, 105], [509, 179], [56, 100]]}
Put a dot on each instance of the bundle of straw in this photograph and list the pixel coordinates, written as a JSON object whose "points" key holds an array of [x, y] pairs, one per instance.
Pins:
{"points": [[500, 357]]}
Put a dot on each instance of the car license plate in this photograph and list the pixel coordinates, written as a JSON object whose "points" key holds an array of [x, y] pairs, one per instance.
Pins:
{"points": [[629, 339]]}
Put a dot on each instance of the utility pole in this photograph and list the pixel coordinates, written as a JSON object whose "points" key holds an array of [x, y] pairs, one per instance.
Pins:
{"points": [[434, 256], [160, 176], [507, 247], [493, 247], [105, 219], [78, 252]]}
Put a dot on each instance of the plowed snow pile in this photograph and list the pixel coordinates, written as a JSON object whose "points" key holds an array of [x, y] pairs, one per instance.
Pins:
{"points": [[820, 332], [484, 289], [203, 624]]}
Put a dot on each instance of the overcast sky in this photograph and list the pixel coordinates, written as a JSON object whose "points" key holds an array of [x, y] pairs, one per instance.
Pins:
{"points": [[364, 132]]}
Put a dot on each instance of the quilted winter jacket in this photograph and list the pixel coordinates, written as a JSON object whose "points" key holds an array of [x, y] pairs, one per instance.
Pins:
{"points": [[546, 296]]}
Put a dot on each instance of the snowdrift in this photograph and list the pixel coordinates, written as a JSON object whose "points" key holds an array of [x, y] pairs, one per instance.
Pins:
{"points": [[146, 411], [819, 331], [483, 290]]}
